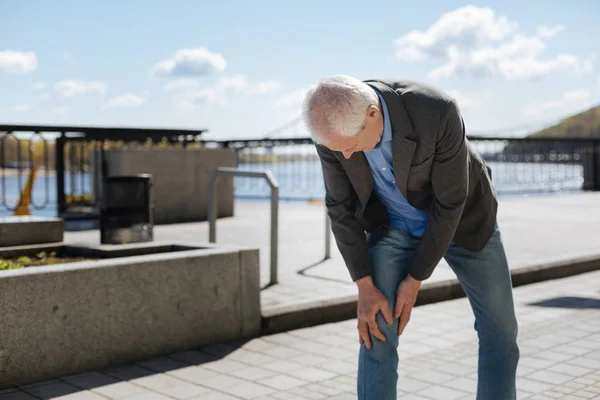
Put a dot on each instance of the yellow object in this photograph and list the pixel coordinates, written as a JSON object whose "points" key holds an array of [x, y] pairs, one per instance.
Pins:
{"points": [[23, 206], [78, 199], [316, 201]]}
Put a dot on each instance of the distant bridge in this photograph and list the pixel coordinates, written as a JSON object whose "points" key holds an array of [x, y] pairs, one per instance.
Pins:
{"points": [[297, 129]]}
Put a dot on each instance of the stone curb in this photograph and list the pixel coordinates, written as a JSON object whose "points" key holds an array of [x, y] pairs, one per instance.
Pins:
{"points": [[340, 308]]}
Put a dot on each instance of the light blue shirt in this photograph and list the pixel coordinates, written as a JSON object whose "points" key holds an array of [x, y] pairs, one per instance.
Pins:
{"points": [[403, 216]]}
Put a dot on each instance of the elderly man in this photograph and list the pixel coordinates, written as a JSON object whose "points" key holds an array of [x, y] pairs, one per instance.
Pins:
{"points": [[404, 188]]}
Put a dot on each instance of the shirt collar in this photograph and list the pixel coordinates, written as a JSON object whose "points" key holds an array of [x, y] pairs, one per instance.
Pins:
{"points": [[387, 126]]}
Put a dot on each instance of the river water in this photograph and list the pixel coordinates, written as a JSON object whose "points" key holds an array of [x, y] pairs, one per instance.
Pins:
{"points": [[301, 180]]}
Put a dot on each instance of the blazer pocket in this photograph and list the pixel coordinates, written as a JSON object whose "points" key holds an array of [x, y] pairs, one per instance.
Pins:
{"points": [[423, 164], [419, 175]]}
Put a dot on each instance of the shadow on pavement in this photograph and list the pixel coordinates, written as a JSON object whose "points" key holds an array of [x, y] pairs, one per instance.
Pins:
{"points": [[103, 381], [580, 303], [303, 272]]}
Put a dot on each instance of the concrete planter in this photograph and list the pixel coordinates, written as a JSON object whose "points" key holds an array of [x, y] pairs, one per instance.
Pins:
{"points": [[70, 318], [23, 230]]}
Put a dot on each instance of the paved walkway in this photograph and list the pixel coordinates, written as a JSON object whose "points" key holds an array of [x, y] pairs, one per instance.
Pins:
{"points": [[559, 339], [535, 229]]}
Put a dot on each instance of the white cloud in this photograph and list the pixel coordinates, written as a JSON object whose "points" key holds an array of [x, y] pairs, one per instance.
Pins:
{"points": [[293, 99], [515, 60], [574, 98], [462, 99], [549, 31], [181, 84], [230, 83], [191, 100], [59, 110], [240, 83], [208, 95], [530, 68], [226, 86], [542, 107], [474, 41], [17, 61], [468, 26], [125, 100], [70, 88], [38, 85], [577, 95], [265, 87], [236, 83], [44, 96], [198, 62], [22, 108]]}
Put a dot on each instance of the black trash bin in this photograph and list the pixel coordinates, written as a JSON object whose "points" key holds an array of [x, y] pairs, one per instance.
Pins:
{"points": [[127, 211]]}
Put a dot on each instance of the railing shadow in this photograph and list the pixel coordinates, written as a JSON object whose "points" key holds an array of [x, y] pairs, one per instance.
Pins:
{"points": [[572, 302], [304, 272], [132, 378]]}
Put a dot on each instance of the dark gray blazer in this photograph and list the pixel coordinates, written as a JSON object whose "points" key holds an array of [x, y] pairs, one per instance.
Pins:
{"points": [[436, 169]]}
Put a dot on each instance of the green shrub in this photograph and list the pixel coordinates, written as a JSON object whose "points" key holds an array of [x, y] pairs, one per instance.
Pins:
{"points": [[6, 264]]}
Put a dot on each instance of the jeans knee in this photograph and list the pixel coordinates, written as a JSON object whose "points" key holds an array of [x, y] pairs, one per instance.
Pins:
{"points": [[383, 353], [501, 346], [501, 337], [387, 349], [512, 351], [507, 348]]}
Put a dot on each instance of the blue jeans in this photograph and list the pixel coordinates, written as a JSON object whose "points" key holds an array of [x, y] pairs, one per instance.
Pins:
{"points": [[485, 278]]}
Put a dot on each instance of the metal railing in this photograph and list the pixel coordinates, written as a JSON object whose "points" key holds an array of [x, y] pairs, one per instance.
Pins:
{"points": [[267, 176], [65, 158], [17, 157], [519, 165], [541, 165], [270, 179]]}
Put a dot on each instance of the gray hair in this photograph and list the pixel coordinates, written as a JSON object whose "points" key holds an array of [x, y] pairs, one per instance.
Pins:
{"points": [[337, 105]]}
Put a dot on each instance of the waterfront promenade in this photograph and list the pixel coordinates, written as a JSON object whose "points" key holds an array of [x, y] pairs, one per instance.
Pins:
{"points": [[537, 230], [559, 340], [559, 319]]}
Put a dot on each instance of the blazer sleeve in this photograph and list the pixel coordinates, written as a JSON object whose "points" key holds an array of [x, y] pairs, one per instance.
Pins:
{"points": [[341, 200], [450, 183]]}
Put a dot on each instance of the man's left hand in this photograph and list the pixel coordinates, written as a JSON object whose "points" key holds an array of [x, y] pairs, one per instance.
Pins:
{"points": [[406, 296]]}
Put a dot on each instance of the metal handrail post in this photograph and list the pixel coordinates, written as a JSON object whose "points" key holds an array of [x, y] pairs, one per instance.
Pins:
{"points": [[212, 212], [274, 225], [212, 209], [596, 165], [327, 235]]}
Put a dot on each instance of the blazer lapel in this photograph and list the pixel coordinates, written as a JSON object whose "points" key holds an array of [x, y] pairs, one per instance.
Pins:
{"points": [[403, 146], [402, 154], [359, 172]]}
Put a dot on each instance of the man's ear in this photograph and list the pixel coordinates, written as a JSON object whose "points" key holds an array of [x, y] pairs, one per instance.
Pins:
{"points": [[372, 111]]}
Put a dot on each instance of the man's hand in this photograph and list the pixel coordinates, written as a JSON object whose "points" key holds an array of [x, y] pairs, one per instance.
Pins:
{"points": [[406, 296], [370, 301]]}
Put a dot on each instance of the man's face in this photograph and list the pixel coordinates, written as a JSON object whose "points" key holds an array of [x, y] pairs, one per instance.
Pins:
{"points": [[367, 138]]}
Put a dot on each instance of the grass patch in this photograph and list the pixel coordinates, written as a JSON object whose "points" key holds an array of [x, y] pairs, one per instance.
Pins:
{"points": [[41, 258]]}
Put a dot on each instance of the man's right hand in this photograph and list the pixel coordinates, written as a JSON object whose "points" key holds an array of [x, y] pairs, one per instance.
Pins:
{"points": [[370, 302]]}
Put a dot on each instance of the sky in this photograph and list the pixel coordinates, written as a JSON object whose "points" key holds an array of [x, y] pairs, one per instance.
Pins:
{"points": [[241, 68]]}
